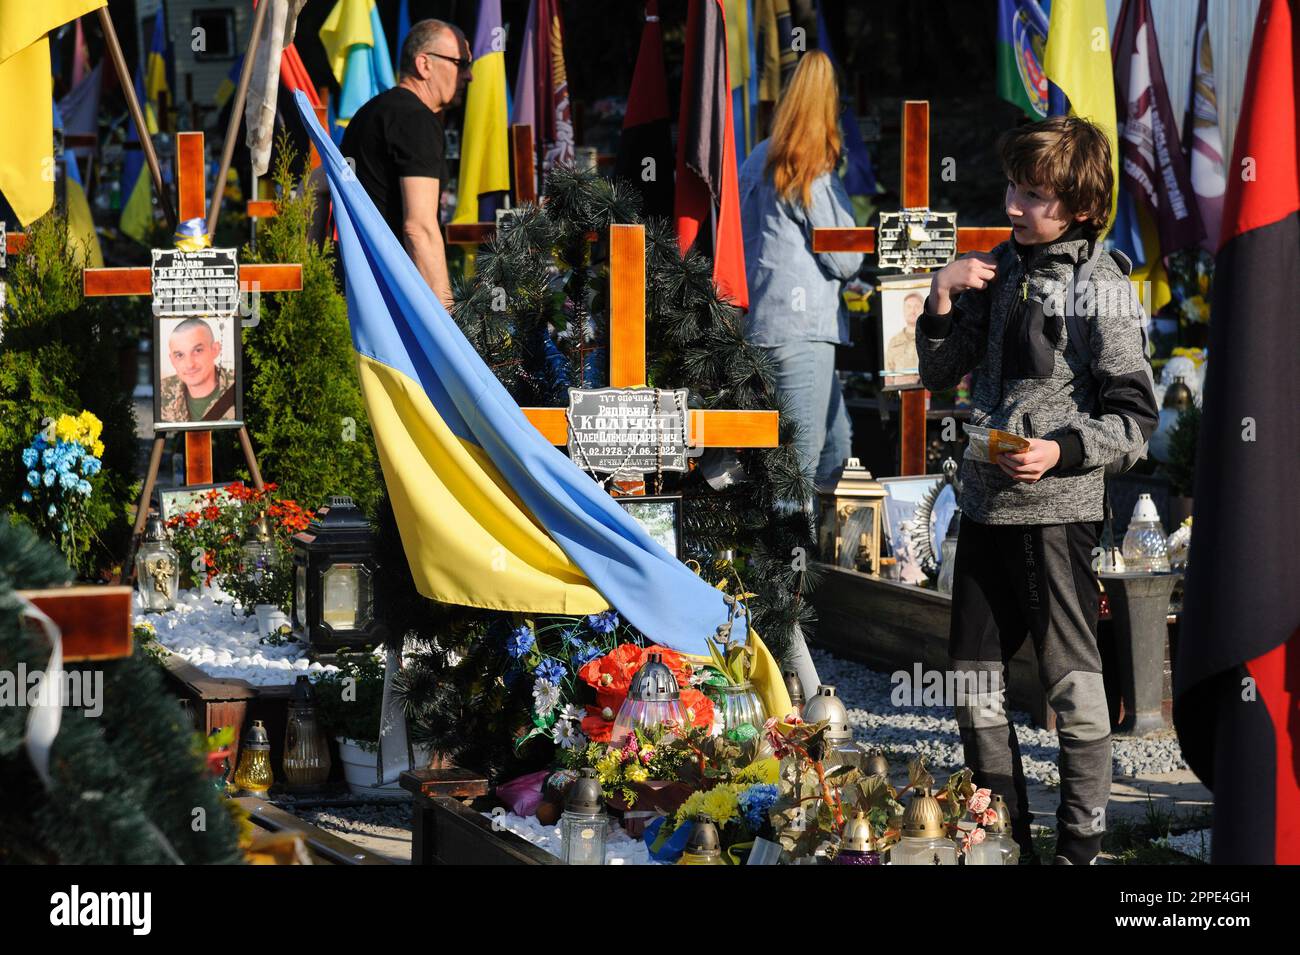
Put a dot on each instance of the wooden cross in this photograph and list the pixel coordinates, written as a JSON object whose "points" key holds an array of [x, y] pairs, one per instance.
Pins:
{"points": [[915, 195], [708, 428], [523, 160], [137, 280], [265, 208]]}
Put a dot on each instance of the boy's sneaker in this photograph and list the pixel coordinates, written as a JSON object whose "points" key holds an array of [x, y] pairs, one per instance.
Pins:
{"points": [[1072, 850]]}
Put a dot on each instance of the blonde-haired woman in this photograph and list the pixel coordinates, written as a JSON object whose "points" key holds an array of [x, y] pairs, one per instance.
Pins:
{"points": [[788, 187]]}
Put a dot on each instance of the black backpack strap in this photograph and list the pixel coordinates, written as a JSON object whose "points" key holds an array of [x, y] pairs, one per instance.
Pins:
{"points": [[1076, 321]]}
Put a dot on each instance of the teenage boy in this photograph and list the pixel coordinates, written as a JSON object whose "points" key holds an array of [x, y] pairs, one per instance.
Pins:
{"points": [[1031, 519]]}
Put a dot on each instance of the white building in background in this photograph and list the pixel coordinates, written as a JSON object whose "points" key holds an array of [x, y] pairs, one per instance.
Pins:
{"points": [[226, 26]]}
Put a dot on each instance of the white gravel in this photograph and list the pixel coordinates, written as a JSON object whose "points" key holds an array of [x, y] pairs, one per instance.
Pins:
{"points": [[208, 629], [904, 732], [1195, 844], [620, 848]]}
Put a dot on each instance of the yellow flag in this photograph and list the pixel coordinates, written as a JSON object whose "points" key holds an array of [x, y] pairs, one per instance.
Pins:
{"points": [[26, 105], [347, 25], [81, 228], [1154, 269], [1077, 60]]}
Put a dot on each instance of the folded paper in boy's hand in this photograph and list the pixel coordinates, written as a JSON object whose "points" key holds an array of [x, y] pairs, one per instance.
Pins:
{"points": [[987, 443]]}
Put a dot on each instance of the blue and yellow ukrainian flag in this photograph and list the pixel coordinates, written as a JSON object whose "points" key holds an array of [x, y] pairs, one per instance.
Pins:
{"points": [[1077, 60], [155, 64], [484, 140], [354, 41], [136, 184], [81, 227], [491, 515]]}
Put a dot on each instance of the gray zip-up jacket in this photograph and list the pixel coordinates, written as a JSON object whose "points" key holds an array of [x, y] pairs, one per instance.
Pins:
{"points": [[1032, 381]]}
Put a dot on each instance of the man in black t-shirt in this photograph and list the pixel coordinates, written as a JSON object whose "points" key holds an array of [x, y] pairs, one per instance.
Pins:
{"points": [[395, 144]]}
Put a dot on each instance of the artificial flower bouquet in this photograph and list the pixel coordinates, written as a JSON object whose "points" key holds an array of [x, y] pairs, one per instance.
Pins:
{"points": [[209, 538], [63, 464]]}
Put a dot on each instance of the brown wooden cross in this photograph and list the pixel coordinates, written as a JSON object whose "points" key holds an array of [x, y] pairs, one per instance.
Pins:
{"points": [[915, 195], [137, 280], [709, 428], [523, 162]]}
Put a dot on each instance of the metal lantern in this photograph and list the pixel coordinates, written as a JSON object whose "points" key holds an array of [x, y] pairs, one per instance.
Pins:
{"points": [[653, 697], [703, 847], [998, 847], [584, 823], [851, 519], [259, 549], [876, 765], [157, 568], [254, 771], [923, 840], [857, 842], [794, 688], [334, 570], [841, 749], [306, 754]]}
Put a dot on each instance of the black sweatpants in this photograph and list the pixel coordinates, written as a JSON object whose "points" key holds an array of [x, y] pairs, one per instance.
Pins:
{"points": [[1037, 580]]}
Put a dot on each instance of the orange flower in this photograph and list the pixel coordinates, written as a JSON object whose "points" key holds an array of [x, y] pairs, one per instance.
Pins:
{"points": [[675, 662], [597, 728], [698, 707], [613, 672]]}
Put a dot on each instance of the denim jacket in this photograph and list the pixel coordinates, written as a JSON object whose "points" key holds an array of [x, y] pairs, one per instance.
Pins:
{"points": [[794, 294]]}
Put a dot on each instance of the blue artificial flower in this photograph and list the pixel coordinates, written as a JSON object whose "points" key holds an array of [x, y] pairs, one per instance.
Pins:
{"points": [[30, 456], [586, 653], [49, 478], [27, 497], [47, 457], [552, 671], [63, 526], [74, 450], [52, 511], [39, 441], [68, 480], [754, 803], [83, 488], [34, 478], [604, 622], [90, 465], [520, 642]]}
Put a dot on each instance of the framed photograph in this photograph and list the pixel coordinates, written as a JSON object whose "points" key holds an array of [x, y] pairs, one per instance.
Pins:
{"points": [[196, 374], [903, 495], [171, 501], [902, 301], [661, 516]]}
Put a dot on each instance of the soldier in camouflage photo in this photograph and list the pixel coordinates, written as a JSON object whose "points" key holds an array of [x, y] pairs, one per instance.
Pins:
{"points": [[203, 388]]}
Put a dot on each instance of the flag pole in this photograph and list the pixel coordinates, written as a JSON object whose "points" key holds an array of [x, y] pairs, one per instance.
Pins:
{"points": [[137, 116], [236, 113]]}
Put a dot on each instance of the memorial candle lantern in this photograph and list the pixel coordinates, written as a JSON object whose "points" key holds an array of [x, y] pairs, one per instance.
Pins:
{"points": [[258, 549], [923, 840], [703, 847], [850, 519], [254, 771], [583, 823], [998, 848], [306, 754], [857, 842], [334, 568], [653, 697], [157, 569]]}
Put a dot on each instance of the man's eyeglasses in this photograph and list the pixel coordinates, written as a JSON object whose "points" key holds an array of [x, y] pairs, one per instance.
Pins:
{"points": [[461, 64]]}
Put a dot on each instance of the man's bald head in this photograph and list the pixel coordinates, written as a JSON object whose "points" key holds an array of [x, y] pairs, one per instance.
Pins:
{"points": [[427, 35]]}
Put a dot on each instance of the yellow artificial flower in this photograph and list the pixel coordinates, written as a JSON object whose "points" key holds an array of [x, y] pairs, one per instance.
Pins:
{"points": [[65, 429], [720, 804], [636, 773], [760, 771], [98, 449]]}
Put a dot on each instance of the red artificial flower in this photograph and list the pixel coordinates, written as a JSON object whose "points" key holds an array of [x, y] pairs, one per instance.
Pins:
{"points": [[613, 672], [697, 707], [680, 666], [211, 513], [597, 728]]}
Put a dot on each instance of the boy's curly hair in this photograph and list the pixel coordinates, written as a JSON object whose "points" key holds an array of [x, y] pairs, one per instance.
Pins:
{"points": [[1070, 156]]}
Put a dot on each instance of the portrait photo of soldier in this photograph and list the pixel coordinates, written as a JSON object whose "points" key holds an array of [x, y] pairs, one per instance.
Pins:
{"points": [[900, 309], [197, 372]]}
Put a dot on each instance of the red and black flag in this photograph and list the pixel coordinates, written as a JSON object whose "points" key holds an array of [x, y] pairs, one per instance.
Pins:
{"points": [[707, 202], [645, 149], [1237, 666]]}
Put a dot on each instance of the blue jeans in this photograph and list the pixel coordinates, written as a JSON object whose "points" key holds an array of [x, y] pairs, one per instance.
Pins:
{"points": [[806, 378]]}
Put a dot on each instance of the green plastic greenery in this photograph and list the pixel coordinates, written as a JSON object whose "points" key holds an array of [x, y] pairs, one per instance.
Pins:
{"points": [[351, 700], [1182, 451], [302, 397], [60, 355]]}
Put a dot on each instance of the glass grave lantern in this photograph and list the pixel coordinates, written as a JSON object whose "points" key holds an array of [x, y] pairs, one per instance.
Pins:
{"points": [[584, 823], [998, 847], [258, 549], [841, 749], [653, 697], [334, 570], [850, 519], [924, 840], [157, 568]]}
